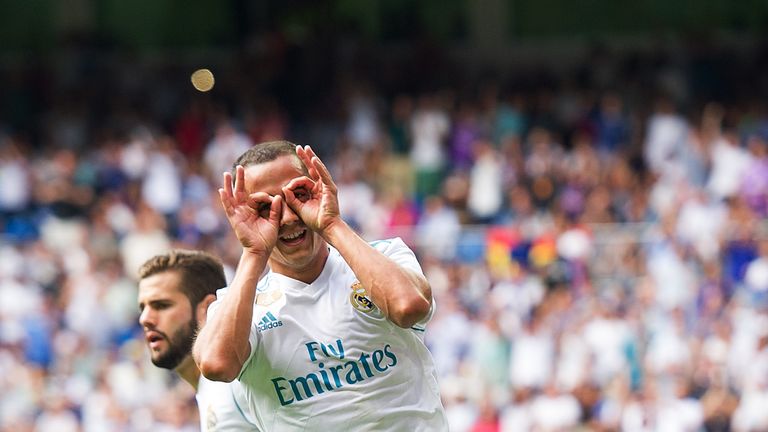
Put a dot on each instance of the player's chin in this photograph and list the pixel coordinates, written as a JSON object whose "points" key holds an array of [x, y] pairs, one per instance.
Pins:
{"points": [[158, 358], [296, 256]]}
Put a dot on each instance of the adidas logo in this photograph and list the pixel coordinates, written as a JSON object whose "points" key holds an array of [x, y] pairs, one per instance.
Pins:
{"points": [[269, 321]]}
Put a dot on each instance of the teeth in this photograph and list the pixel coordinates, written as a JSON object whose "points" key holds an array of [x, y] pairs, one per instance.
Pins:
{"points": [[293, 236]]}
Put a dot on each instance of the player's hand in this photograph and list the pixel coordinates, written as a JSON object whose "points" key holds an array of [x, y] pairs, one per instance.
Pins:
{"points": [[255, 217], [314, 198]]}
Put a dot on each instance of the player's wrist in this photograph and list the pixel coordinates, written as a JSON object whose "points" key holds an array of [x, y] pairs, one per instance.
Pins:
{"points": [[254, 255], [334, 230]]}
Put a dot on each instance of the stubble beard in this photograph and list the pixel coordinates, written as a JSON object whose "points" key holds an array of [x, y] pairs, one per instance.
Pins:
{"points": [[179, 347]]}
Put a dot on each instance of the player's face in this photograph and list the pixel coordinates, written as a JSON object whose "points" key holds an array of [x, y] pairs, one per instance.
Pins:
{"points": [[298, 248], [166, 318]]}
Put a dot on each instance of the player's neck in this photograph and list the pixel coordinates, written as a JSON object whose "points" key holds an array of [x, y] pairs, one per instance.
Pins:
{"points": [[189, 372], [306, 274]]}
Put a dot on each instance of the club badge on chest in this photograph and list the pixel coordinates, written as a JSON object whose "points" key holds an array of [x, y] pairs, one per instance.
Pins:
{"points": [[358, 298]]}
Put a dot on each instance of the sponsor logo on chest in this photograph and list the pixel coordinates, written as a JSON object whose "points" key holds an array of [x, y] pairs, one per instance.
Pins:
{"points": [[334, 369]]}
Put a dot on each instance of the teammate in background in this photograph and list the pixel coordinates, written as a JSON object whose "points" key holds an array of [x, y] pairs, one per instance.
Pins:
{"points": [[331, 338], [175, 290]]}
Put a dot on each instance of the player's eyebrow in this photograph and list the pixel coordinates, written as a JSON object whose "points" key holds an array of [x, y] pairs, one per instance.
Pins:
{"points": [[155, 303]]}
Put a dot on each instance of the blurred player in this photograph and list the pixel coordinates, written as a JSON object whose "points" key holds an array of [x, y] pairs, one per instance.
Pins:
{"points": [[175, 290], [331, 338]]}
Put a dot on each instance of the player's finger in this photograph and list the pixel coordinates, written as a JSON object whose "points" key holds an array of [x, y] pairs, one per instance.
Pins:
{"points": [[226, 204], [239, 179], [259, 198], [289, 196], [300, 182], [302, 155], [311, 156], [310, 153], [227, 183], [325, 175], [260, 203], [276, 210], [306, 159], [297, 192]]}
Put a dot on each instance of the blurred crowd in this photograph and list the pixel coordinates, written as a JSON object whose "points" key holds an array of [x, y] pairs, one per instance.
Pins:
{"points": [[597, 247]]}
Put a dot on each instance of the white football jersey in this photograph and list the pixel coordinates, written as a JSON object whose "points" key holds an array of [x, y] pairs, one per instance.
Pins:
{"points": [[324, 357], [222, 407]]}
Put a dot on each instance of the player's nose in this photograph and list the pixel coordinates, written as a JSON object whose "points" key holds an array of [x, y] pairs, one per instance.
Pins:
{"points": [[288, 217], [147, 318]]}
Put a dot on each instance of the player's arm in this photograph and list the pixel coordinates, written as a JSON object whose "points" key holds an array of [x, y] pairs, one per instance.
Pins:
{"points": [[223, 346], [403, 295]]}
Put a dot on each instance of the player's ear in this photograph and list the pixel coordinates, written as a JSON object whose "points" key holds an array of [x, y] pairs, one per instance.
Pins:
{"points": [[201, 312]]}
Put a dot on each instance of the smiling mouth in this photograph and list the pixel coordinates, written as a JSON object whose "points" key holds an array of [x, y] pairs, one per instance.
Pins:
{"points": [[294, 238]]}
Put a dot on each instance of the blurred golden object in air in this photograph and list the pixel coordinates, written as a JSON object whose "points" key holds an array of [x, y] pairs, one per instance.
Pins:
{"points": [[202, 80]]}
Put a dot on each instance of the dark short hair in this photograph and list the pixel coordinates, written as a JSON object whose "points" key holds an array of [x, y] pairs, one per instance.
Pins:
{"points": [[267, 152], [201, 273]]}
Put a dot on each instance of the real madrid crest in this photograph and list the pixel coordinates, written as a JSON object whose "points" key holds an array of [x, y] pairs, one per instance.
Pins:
{"points": [[269, 297], [358, 298]]}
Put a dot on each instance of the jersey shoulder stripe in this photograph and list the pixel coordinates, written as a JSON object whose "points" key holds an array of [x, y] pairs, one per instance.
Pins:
{"points": [[377, 243], [263, 284]]}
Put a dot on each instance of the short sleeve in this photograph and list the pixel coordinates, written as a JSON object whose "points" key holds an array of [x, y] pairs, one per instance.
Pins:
{"points": [[253, 334], [399, 252], [213, 307]]}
